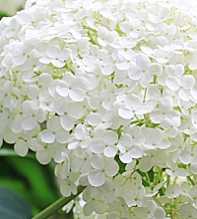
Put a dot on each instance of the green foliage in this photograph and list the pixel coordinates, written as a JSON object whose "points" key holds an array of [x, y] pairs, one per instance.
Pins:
{"points": [[154, 177], [122, 166], [91, 33], [3, 14], [31, 180], [12, 206], [119, 31]]}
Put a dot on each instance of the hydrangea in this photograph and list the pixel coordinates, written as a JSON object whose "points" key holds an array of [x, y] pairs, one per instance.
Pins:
{"points": [[108, 91]]}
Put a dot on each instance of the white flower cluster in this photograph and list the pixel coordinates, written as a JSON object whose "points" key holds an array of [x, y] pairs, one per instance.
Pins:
{"points": [[108, 91]]}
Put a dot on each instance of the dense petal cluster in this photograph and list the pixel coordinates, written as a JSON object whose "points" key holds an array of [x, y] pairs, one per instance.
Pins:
{"points": [[108, 91]]}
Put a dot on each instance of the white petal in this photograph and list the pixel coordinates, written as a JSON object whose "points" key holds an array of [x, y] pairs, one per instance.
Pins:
{"points": [[194, 119], [110, 137], [10, 137], [194, 136], [53, 52], [62, 91], [185, 157], [65, 189], [183, 94], [59, 157], [172, 83], [96, 178], [44, 60], [145, 164], [47, 137], [142, 61], [81, 132], [121, 148], [193, 61], [194, 94], [107, 69], [94, 119], [123, 66], [29, 124], [96, 147], [21, 148], [62, 137], [20, 60], [134, 75], [73, 145], [111, 167], [126, 157], [43, 157], [97, 162], [88, 208], [125, 140], [125, 113], [110, 151], [187, 81], [136, 152], [58, 63], [153, 137], [16, 126], [100, 207], [159, 213], [75, 110], [194, 168], [67, 122], [76, 95]]}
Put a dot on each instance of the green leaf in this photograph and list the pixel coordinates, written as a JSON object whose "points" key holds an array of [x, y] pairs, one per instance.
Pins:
{"points": [[57, 205], [34, 173], [122, 166], [3, 14], [12, 206], [32, 181]]}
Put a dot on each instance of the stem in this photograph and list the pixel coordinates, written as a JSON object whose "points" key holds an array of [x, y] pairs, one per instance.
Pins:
{"points": [[54, 207], [145, 93], [191, 180]]}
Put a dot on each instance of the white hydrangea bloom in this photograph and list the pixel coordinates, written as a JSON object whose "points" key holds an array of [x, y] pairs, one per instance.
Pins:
{"points": [[108, 91]]}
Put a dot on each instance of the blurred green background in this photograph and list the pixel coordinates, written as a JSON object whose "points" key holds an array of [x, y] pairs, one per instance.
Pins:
{"points": [[32, 181], [10, 7]]}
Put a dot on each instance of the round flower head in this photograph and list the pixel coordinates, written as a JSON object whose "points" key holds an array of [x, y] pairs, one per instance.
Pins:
{"points": [[108, 91]]}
